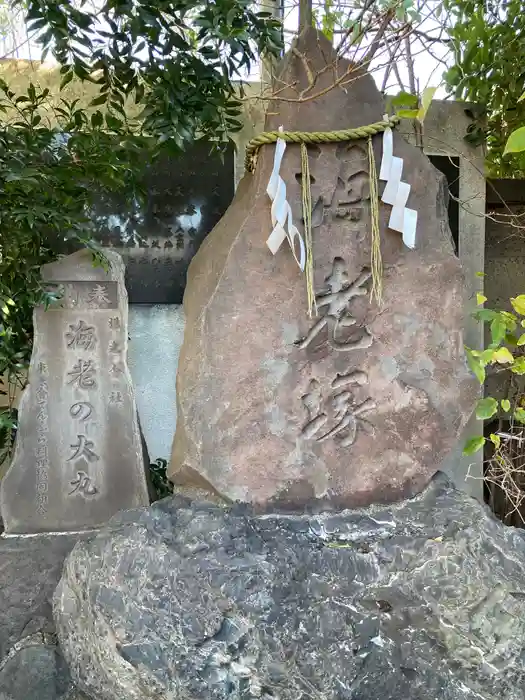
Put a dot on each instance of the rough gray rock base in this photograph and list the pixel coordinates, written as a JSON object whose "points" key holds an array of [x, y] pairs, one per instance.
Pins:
{"points": [[31, 665], [421, 600]]}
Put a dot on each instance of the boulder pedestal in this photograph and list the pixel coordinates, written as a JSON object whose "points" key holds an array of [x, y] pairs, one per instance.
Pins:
{"points": [[420, 600], [31, 664]]}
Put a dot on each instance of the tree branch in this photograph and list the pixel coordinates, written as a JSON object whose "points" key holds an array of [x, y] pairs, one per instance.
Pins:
{"points": [[410, 66], [376, 41], [432, 39], [368, 4], [392, 65]]}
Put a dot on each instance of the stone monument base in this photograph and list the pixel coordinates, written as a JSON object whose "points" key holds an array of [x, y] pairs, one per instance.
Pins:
{"points": [[31, 664], [421, 599]]}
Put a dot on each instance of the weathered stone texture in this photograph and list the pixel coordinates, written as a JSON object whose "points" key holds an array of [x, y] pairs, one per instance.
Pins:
{"points": [[79, 456], [361, 404], [31, 664], [420, 600]]}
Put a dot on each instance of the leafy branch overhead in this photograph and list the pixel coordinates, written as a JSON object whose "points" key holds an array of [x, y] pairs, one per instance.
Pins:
{"points": [[507, 332], [486, 40], [47, 185], [178, 59]]}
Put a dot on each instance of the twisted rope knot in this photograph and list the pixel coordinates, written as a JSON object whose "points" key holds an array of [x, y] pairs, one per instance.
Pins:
{"points": [[304, 138], [359, 132]]}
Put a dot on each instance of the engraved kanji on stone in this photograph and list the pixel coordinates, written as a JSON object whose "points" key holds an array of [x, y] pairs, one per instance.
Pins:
{"points": [[334, 302], [98, 297], [115, 370], [81, 410], [83, 448], [42, 393], [115, 398], [42, 417], [353, 181], [340, 415], [82, 374], [83, 484], [66, 423], [114, 348], [81, 336], [42, 501]]}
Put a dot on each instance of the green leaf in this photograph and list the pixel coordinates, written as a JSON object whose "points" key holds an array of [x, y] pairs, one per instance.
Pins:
{"points": [[518, 304], [505, 405], [495, 439], [503, 356], [113, 123], [516, 141], [521, 340], [139, 93], [486, 408], [408, 113], [474, 445], [485, 314], [498, 328], [509, 319], [426, 100], [476, 366], [404, 99], [100, 100], [68, 77], [481, 274], [97, 119], [480, 299], [487, 356], [518, 366], [519, 415], [522, 97]]}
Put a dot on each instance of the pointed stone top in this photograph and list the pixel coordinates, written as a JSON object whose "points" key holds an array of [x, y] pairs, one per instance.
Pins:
{"points": [[79, 266], [316, 46], [319, 91]]}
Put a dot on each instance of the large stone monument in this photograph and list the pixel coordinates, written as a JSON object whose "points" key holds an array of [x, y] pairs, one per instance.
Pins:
{"points": [[362, 402], [79, 455]]}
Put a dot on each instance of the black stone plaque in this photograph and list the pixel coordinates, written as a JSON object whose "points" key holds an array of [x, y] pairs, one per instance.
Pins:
{"points": [[187, 194]]}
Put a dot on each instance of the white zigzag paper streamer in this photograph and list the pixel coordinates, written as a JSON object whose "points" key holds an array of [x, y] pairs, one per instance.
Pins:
{"points": [[396, 193], [281, 211]]}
